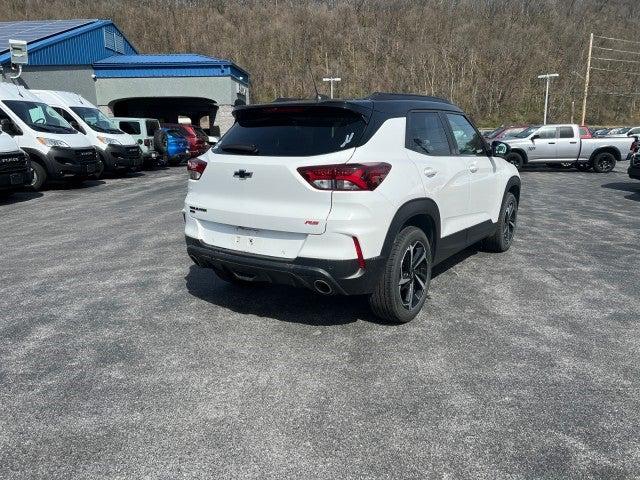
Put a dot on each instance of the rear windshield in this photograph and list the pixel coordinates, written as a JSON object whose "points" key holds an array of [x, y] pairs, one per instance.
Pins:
{"points": [[292, 131]]}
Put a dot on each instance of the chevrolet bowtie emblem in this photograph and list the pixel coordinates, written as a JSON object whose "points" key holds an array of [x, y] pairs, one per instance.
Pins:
{"points": [[242, 174]]}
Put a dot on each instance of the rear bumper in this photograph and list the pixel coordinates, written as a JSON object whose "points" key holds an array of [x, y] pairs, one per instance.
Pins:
{"points": [[343, 276]]}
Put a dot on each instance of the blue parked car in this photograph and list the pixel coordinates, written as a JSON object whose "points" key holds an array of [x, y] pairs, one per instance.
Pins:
{"points": [[172, 144]]}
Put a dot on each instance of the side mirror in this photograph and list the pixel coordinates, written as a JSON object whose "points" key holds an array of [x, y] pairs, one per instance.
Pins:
{"points": [[9, 127], [534, 137], [139, 141], [499, 149], [77, 126]]}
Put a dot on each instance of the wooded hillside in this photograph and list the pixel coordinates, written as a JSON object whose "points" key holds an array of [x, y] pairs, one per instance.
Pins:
{"points": [[483, 54]]}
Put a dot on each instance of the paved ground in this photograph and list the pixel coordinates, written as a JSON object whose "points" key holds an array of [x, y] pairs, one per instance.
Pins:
{"points": [[121, 359]]}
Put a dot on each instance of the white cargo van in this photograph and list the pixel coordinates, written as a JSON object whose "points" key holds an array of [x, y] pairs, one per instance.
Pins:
{"points": [[118, 151], [56, 149], [15, 168]]}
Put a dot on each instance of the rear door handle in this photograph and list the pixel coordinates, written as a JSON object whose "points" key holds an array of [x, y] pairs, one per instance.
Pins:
{"points": [[473, 168], [552, 143], [430, 172], [573, 143]]}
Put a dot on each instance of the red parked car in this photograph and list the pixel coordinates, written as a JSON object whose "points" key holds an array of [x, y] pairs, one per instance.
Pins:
{"points": [[196, 136]]}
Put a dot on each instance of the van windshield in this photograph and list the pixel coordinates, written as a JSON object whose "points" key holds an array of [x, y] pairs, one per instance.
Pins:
{"points": [[96, 120], [292, 131], [39, 116]]}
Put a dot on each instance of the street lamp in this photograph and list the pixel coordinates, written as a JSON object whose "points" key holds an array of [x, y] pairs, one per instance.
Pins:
{"points": [[332, 80], [548, 76]]}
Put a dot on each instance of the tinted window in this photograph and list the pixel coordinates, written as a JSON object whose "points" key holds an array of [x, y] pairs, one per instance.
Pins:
{"points": [[467, 139], [547, 132], [565, 132], [132, 128], [426, 134], [292, 131]]}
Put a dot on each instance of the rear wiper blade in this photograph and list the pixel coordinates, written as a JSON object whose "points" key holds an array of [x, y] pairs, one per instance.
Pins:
{"points": [[239, 147]]}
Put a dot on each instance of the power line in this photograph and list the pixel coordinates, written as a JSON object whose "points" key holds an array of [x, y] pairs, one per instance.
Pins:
{"points": [[615, 71], [617, 39], [614, 50], [615, 60]]}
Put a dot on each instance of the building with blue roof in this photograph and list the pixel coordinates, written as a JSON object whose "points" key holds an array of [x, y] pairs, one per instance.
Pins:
{"points": [[94, 58]]}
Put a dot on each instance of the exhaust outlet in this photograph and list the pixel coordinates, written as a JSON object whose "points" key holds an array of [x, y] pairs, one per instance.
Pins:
{"points": [[323, 287]]}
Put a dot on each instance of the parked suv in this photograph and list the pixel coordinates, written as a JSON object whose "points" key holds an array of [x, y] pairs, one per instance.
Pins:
{"points": [[197, 138], [349, 197], [142, 130], [15, 167]]}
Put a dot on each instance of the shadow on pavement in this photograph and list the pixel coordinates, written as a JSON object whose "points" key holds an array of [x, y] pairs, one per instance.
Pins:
{"points": [[289, 304], [18, 197], [632, 187]]}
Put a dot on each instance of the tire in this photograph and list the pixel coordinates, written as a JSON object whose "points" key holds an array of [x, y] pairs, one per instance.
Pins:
{"points": [[161, 141], [515, 159], [501, 240], [583, 167], [396, 296], [39, 177], [604, 162]]}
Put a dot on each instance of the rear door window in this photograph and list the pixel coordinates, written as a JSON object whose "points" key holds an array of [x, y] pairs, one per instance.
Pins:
{"points": [[546, 133], [132, 128], [292, 131], [565, 132], [426, 134]]}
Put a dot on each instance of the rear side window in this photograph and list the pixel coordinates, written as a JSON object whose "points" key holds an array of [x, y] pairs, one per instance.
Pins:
{"points": [[426, 134], [467, 138], [292, 131], [565, 132], [152, 126], [132, 128]]}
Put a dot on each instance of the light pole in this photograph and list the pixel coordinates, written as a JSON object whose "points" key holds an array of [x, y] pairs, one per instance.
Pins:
{"points": [[548, 76], [332, 80]]}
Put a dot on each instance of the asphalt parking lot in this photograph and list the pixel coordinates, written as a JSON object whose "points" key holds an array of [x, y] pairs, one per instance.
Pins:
{"points": [[121, 359]]}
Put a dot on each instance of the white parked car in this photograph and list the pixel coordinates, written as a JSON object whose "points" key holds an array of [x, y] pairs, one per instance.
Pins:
{"points": [[15, 167], [349, 197], [56, 150], [118, 152]]}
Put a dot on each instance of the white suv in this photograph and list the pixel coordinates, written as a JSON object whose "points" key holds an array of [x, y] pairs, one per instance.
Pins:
{"points": [[355, 197]]}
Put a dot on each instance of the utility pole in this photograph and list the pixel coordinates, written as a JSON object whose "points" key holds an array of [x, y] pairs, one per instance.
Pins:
{"points": [[573, 110], [586, 82], [331, 80], [548, 76]]}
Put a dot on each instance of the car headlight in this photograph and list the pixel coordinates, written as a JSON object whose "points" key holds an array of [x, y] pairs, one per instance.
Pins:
{"points": [[109, 140], [51, 142]]}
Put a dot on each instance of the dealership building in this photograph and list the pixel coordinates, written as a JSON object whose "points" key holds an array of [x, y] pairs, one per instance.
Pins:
{"points": [[94, 59]]}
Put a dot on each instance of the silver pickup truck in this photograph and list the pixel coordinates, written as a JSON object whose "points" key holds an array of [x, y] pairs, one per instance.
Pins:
{"points": [[566, 145]]}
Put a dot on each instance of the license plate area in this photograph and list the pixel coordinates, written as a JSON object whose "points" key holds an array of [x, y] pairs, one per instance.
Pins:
{"points": [[16, 179], [253, 241], [91, 168]]}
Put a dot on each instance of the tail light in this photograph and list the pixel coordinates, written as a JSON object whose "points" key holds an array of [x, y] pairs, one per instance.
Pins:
{"points": [[147, 142], [346, 177], [196, 167]]}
